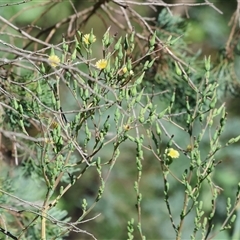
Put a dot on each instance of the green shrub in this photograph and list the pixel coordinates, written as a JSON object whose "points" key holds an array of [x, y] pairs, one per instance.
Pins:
{"points": [[115, 136]]}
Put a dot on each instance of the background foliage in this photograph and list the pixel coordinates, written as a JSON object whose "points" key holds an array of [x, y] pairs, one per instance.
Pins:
{"points": [[85, 152]]}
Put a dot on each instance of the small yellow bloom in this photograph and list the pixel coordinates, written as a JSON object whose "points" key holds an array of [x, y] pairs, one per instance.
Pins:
{"points": [[172, 153], [101, 64], [54, 60], [124, 69], [126, 127], [87, 40]]}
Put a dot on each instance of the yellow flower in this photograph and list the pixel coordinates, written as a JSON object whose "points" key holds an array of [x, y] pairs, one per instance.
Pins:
{"points": [[124, 69], [126, 127], [54, 60], [172, 153], [87, 40], [101, 64]]}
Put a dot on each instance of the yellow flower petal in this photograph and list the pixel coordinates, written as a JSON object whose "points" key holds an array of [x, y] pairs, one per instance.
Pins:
{"points": [[124, 69], [101, 64], [87, 38], [54, 60], [172, 153]]}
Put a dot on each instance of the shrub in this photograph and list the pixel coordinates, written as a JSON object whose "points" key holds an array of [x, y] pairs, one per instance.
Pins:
{"points": [[114, 135]]}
